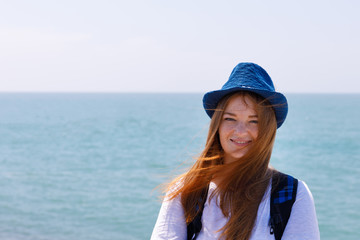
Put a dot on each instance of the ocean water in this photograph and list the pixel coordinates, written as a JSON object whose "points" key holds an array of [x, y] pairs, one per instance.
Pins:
{"points": [[86, 166]]}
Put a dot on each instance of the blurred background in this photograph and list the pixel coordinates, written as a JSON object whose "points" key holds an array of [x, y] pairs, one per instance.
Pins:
{"points": [[100, 102]]}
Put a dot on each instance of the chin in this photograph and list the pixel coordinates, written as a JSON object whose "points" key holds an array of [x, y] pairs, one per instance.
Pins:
{"points": [[234, 158]]}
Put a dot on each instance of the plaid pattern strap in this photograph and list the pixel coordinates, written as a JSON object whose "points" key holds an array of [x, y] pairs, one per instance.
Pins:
{"points": [[286, 193], [283, 196]]}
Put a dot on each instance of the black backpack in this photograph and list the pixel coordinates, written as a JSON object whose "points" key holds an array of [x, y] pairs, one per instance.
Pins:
{"points": [[283, 196]]}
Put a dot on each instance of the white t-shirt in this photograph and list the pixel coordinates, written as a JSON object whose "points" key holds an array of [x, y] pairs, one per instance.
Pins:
{"points": [[302, 224]]}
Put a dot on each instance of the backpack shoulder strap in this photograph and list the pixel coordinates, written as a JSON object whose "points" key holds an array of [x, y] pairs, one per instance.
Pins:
{"points": [[283, 196], [194, 227]]}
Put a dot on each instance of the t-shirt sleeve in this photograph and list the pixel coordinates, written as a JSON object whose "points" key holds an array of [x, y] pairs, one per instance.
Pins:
{"points": [[302, 224], [170, 224]]}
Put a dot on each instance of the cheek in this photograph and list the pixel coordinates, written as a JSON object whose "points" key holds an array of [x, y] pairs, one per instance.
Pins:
{"points": [[224, 130], [254, 132], [222, 134]]}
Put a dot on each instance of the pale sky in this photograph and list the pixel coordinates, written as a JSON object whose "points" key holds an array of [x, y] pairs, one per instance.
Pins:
{"points": [[306, 46]]}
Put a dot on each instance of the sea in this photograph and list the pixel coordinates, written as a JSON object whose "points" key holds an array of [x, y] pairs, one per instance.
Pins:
{"points": [[88, 166]]}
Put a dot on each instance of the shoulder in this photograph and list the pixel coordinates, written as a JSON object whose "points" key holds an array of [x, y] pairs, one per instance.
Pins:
{"points": [[171, 222], [304, 206], [303, 220], [303, 192], [283, 181]]}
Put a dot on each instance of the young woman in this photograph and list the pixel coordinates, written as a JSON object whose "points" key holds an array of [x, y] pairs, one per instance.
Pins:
{"points": [[228, 192]]}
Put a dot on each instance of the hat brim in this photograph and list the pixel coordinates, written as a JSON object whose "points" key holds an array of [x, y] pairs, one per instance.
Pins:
{"points": [[276, 99]]}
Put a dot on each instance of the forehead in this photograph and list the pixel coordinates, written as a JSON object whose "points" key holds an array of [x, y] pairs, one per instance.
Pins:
{"points": [[241, 104]]}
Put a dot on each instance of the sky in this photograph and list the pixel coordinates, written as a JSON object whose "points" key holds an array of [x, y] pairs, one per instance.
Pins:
{"points": [[177, 46]]}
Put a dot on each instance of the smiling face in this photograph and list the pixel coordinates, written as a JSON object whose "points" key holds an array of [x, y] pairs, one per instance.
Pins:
{"points": [[238, 128]]}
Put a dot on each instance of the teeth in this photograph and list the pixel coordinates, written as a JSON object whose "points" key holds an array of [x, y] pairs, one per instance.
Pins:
{"points": [[240, 142]]}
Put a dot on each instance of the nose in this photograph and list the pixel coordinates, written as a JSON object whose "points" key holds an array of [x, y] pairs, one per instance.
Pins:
{"points": [[240, 128]]}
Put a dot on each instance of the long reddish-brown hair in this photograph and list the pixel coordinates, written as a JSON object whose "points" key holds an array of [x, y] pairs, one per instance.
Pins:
{"points": [[244, 181]]}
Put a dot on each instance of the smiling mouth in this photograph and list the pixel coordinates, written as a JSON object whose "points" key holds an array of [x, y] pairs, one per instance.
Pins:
{"points": [[240, 142]]}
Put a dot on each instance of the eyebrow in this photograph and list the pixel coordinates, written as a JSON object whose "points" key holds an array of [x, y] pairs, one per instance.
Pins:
{"points": [[233, 114]]}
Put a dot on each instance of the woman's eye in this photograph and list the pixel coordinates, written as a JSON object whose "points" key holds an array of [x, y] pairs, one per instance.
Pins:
{"points": [[229, 119], [254, 121]]}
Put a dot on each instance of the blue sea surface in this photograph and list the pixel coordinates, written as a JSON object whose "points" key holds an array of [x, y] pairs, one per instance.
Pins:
{"points": [[86, 166]]}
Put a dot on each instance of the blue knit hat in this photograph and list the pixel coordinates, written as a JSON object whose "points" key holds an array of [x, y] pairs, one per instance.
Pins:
{"points": [[252, 78]]}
